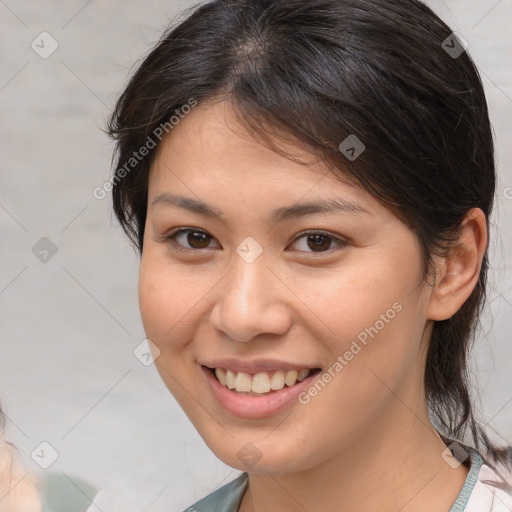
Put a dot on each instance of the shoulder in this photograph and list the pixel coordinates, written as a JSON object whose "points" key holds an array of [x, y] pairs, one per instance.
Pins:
{"points": [[62, 493], [18, 489], [225, 499]]}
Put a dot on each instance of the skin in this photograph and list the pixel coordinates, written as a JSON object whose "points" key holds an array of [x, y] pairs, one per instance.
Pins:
{"points": [[365, 441], [18, 489]]}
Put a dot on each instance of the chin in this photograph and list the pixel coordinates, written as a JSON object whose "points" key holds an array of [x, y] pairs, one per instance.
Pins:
{"points": [[265, 456]]}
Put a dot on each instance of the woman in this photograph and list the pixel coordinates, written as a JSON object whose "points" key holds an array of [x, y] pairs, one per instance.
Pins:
{"points": [[309, 184], [21, 491], [18, 491]]}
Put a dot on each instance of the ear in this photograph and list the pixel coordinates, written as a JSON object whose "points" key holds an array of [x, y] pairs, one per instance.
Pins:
{"points": [[457, 273]]}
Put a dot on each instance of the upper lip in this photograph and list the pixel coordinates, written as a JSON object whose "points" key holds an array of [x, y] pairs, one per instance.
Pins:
{"points": [[256, 365]]}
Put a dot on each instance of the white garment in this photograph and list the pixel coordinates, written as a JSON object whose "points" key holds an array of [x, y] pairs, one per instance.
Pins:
{"points": [[486, 497]]}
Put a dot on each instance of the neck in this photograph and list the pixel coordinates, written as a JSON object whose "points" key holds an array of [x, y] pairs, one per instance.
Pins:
{"points": [[394, 464]]}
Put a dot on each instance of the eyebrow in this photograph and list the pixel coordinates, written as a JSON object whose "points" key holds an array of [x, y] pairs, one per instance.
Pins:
{"points": [[331, 205]]}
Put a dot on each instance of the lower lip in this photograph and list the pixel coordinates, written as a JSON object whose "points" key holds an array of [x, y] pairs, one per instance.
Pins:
{"points": [[250, 406]]}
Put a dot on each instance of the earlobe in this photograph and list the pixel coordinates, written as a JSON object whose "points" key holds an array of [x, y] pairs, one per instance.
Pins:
{"points": [[459, 271]]}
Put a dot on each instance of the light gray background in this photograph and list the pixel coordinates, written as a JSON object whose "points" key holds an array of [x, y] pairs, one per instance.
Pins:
{"points": [[68, 375]]}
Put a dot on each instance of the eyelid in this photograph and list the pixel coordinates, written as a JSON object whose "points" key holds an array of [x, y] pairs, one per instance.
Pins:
{"points": [[336, 239], [170, 238]]}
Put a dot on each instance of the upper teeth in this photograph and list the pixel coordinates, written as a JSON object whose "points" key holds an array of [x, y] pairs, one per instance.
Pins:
{"points": [[259, 382]]}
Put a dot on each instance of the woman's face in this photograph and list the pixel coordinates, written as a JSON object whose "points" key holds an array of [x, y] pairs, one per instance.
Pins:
{"points": [[249, 290]]}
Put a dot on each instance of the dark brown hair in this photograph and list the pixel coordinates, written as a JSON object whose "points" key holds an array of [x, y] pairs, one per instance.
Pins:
{"points": [[318, 71]]}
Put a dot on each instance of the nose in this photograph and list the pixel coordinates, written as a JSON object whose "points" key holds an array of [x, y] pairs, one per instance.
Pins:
{"points": [[252, 301]]}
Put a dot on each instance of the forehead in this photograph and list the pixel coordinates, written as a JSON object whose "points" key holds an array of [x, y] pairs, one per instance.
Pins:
{"points": [[208, 150], [210, 133]]}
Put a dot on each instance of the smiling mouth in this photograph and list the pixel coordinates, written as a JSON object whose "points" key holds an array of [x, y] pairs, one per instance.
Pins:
{"points": [[260, 384]]}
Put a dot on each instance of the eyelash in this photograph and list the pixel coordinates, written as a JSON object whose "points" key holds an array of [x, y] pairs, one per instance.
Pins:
{"points": [[171, 239]]}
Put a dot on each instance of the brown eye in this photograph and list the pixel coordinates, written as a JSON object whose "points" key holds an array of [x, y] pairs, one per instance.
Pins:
{"points": [[190, 239], [318, 241]]}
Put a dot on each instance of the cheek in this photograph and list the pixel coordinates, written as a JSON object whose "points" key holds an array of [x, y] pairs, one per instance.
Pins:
{"points": [[371, 319], [365, 301], [152, 299], [166, 306], [171, 298], [163, 298]]}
